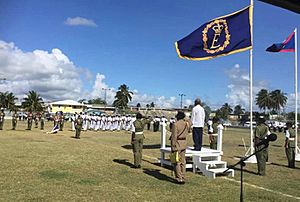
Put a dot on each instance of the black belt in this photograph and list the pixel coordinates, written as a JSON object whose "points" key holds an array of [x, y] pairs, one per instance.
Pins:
{"points": [[181, 138]]}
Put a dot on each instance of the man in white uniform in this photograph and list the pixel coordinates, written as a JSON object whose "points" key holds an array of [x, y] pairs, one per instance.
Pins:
{"points": [[198, 117]]}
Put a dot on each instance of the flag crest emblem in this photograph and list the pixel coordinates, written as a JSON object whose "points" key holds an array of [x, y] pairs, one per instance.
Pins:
{"points": [[219, 37], [220, 34]]}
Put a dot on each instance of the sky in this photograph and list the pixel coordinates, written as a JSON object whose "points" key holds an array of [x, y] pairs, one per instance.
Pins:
{"points": [[73, 49]]}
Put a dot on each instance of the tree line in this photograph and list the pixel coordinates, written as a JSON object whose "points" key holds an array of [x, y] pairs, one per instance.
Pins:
{"points": [[268, 101], [33, 101]]}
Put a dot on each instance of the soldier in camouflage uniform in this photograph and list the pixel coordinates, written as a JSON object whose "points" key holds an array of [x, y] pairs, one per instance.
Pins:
{"points": [[78, 126], [213, 133], [2, 115], [261, 132], [36, 119], [137, 139], [290, 135], [42, 118], [178, 138], [29, 120], [61, 121], [14, 120]]}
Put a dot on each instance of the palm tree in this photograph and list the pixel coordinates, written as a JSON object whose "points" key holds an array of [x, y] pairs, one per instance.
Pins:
{"points": [[264, 100], [224, 111], [3, 99], [227, 107], [122, 97], [238, 110], [11, 101], [33, 102], [8, 100], [279, 99]]}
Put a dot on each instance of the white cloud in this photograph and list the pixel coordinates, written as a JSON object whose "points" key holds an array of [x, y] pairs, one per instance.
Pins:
{"points": [[290, 105], [160, 101], [51, 74], [238, 87], [144, 99], [55, 77], [102, 90], [80, 21]]}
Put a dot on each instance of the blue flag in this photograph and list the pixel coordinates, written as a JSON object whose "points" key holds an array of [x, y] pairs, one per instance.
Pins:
{"points": [[287, 46], [219, 37]]}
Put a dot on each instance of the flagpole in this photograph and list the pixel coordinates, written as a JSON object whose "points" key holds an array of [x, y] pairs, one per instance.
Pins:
{"points": [[297, 154], [250, 151], [251, 87]]}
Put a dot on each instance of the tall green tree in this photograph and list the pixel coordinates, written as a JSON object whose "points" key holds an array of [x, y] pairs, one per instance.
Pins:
{"points": [[3, 99], [238, 110], [279, 99], [33, 102], [224, 111], [264, 100], [122, 97], [8, 100], [98, 101], [291, 116], [11, 101], [82, 101]]}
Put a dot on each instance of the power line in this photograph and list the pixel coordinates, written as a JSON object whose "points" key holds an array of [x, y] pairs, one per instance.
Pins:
{"points": [[181, 95]]}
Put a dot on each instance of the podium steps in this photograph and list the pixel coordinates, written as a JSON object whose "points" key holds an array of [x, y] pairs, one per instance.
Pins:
{"points": [[211, 165]]}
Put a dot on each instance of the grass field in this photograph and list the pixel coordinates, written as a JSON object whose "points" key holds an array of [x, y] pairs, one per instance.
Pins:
{"points": [[35, 166]]}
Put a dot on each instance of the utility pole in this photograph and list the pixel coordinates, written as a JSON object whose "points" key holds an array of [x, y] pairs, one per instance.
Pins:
{"points": [[181, 95], [105, 91]]}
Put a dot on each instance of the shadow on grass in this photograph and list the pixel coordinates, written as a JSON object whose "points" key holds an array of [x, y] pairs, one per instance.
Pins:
{"points": [[158, 175], [285, 166], [241, 145], [276, 145], [238, 167], [154, 146], [244, 170], [124, 162], [153, 163], [127, 146]]}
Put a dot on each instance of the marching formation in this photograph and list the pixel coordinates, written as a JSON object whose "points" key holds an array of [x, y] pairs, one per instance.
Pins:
{"points": [[103, 122], [94, 122]]}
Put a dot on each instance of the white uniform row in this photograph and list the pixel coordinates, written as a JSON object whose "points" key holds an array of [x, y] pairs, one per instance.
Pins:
{"points": [[94, 122], [103, 122]]}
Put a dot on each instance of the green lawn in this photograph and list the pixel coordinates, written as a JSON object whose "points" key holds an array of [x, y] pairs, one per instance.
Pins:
{"points": [[35, 166]]}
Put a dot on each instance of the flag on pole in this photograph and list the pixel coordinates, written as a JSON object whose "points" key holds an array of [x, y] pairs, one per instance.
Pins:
{"points": [[219, 37], [292, 5], [287, 46]]}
